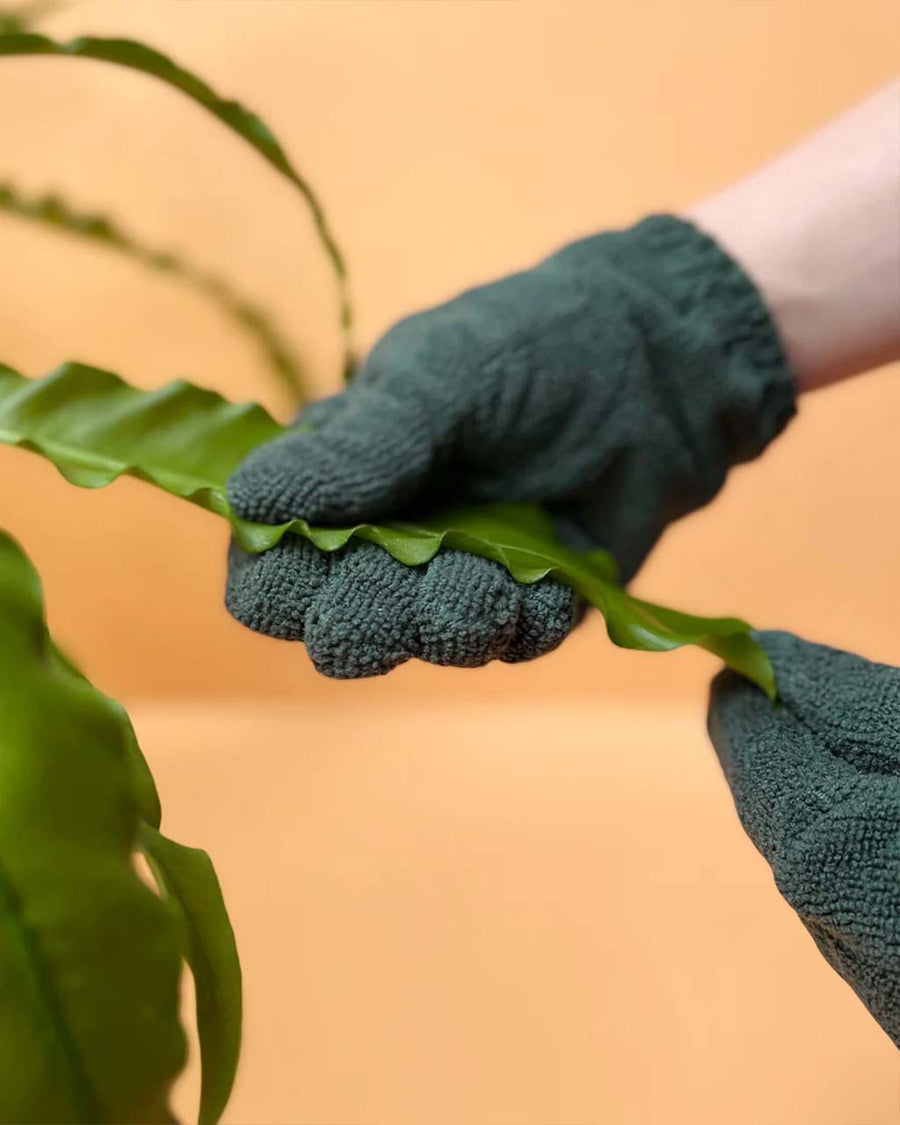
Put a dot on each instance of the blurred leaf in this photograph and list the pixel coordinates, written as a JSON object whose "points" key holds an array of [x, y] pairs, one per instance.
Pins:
{"points": [[53, 211], [17, 18], [142, 779], [90, 958], [95, 428], [137, 56], [188, 877]]}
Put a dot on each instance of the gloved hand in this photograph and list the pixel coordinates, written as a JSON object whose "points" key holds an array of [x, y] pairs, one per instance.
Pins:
{"points": [[816, 782], [615, 383]]}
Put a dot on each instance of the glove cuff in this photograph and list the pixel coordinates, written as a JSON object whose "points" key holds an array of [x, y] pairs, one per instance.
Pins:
{"points": [[709, 290]]}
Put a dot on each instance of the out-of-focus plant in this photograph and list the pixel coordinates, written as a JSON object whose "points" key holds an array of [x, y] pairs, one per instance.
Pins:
{"points": [[17, 18], [90, 957], [246, 125], [52, 211]]}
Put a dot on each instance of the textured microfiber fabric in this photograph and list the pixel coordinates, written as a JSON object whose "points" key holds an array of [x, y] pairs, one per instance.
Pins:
{"points": [[361, 613], [615, 383], [816, 782]]}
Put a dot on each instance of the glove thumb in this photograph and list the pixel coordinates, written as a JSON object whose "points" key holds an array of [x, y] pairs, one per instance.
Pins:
{"points": [[369, 455]]}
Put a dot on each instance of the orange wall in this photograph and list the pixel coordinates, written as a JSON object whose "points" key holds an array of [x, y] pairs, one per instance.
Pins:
{"points": [[540, 906], [451, 142], [553, 920]]}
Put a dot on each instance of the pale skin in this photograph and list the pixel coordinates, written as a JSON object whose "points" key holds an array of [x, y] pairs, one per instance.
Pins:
{"points": [[818, 230]]}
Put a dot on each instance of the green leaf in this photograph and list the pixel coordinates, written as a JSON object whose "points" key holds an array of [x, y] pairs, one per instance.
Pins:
{"points": [[95, 428], [142, 779], [55, 212], [89, 957], [137, 56], [188, 877], [22, 17]]}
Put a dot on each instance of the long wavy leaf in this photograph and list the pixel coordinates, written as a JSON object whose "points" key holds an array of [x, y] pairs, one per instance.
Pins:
{"points": [[89, 957], [187, 879], [95, 428], [53, 211], [138, 56], [187, 876]]}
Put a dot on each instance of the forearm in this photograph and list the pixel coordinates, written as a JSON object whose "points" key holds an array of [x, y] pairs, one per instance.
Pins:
{"points": [[818, 230]]}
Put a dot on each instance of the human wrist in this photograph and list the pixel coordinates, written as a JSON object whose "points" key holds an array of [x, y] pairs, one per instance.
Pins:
{"points": [[818, 230], [780, 267]]}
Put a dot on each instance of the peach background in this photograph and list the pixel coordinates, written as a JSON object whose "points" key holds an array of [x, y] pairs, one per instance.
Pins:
{"points": [[521, 894]]}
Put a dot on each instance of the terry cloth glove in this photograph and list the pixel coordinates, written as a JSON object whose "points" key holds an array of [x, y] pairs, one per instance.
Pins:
{"points": [[615, 383], [816, 782]]}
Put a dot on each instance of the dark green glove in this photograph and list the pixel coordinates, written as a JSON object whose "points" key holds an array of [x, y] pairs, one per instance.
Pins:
{"points": [[615, 383], [816, 782]]}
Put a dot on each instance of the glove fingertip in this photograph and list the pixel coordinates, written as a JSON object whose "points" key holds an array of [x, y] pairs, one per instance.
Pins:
{"points": [[272, 593], [549, 612], [467, 609], [362, 622]]}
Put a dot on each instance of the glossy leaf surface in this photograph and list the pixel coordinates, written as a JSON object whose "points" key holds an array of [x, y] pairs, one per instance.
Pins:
{"points": [[95, 428], [90, 958]]}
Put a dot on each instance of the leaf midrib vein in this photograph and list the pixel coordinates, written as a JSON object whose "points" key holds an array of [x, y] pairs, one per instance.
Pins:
{"points": [[88, 1105]]}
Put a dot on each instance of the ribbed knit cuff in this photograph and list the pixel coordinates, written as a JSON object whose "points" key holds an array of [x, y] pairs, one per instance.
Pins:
{"points": [[705, 285]]}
